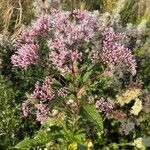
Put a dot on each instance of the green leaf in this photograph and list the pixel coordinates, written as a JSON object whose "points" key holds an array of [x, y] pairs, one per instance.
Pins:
{"points": [[24, 145], [68, 77], [87, 76], [57, 84], [90, 67], [89, 111], [40, 139]]}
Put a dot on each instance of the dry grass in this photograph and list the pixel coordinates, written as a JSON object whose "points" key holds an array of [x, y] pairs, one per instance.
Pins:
{"points": [[12, 16], [8, 10], [108, 5], [144, 8]]}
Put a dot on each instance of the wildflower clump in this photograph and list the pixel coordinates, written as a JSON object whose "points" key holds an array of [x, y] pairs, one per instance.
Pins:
{"points": [[72, 39], [67, 34], [75, 51]]}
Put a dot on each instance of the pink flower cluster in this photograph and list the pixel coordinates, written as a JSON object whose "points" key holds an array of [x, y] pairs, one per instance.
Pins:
{"points": [[60, 55], [104, 106], [26, 55], [26, 107], [24, 38], [42, 112], [62, 92], [40, 26], [68, 36], [88, 23], [44, 91], [31, 33], [114, 52], [69, 33], [27, 52]]}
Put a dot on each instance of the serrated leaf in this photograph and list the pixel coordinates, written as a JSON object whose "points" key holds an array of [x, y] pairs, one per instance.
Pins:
{"points": [[84, 66], [56, 102], [40, 139], [89, 111]]}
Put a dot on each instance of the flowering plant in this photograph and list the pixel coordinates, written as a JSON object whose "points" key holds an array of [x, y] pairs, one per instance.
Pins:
{"points": [[77, 102]]}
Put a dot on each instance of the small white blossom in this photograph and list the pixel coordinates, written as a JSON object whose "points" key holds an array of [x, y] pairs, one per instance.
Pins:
{"points": [[137, 107], [138, 143]]}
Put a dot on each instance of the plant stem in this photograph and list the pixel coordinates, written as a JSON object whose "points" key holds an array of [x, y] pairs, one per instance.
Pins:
{"points": [[75, 84], [122, 144]]}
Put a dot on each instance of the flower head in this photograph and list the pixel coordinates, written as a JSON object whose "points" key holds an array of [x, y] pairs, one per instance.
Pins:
{"points": [[104, 106], [68, 36], [40, 26], [42, 112], [26, 107], [115, 53], [44, 91], [26, 55]]}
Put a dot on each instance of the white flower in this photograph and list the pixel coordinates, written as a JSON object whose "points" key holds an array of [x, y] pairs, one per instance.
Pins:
{"points": [[54, 112], [138, 143], [137, 107], [127, 96]]}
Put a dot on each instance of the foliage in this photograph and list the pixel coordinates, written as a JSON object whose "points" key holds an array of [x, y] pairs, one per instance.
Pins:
{"points": [[9, 114]]}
